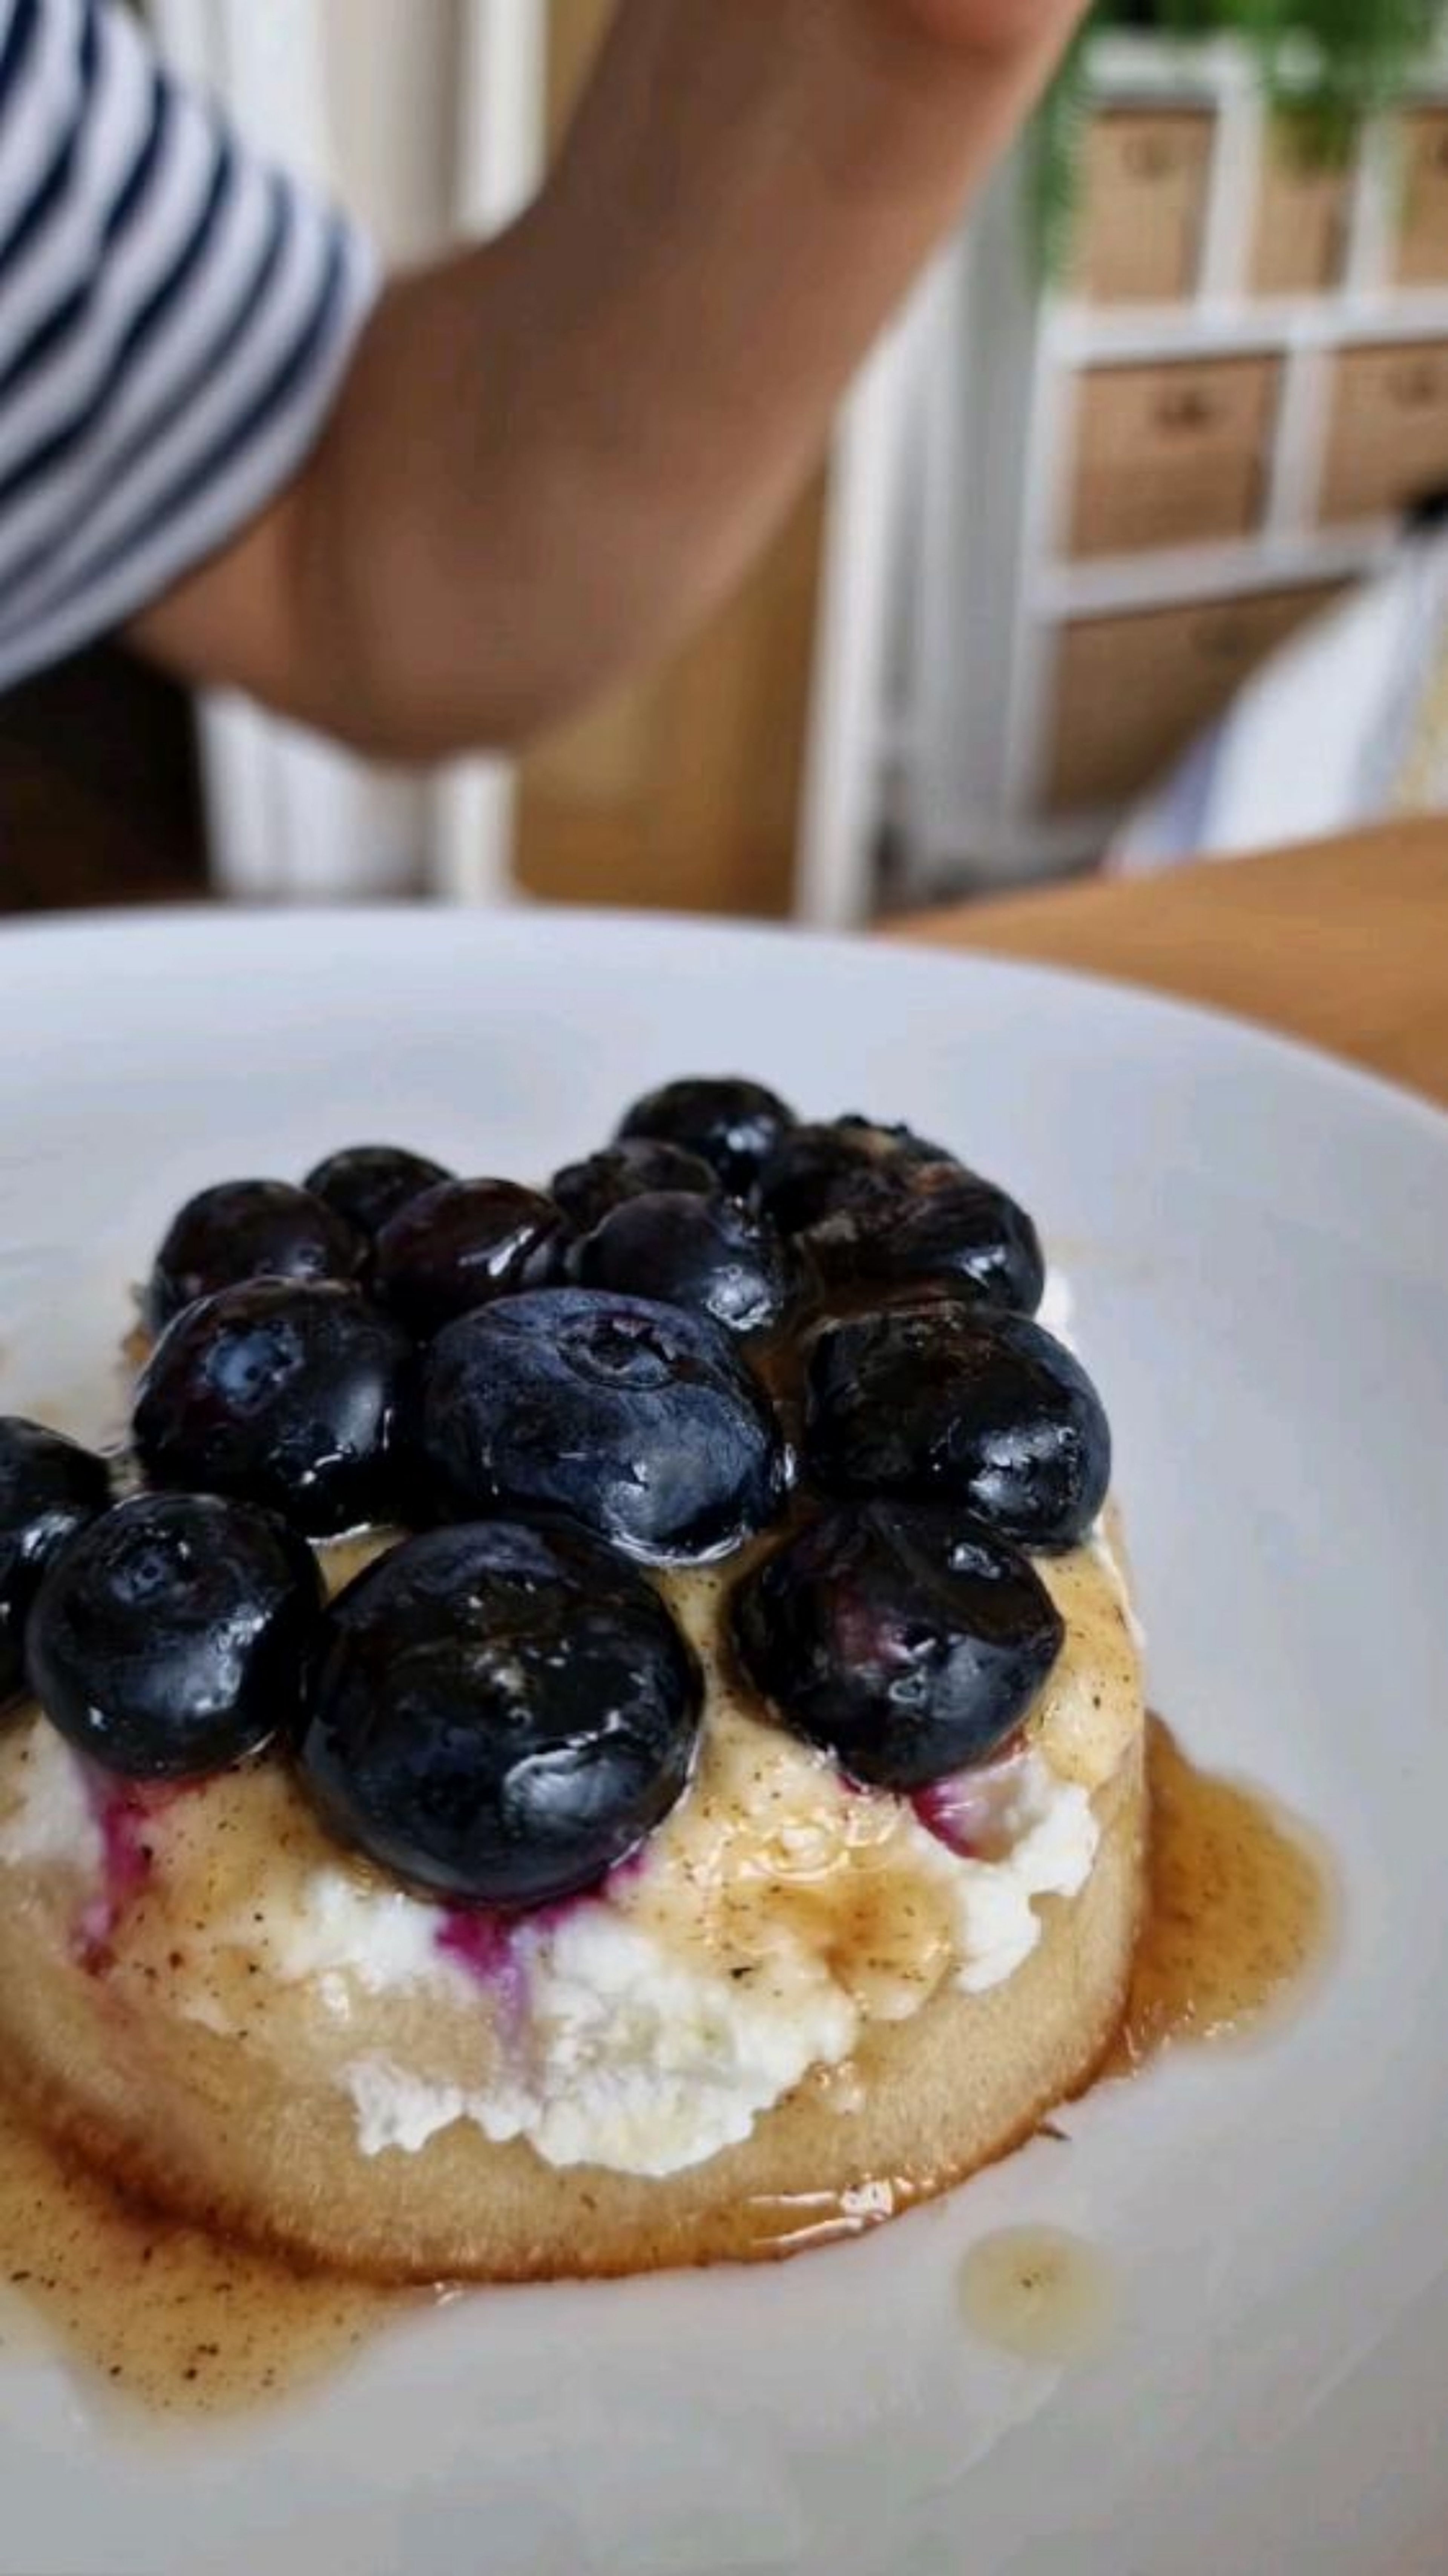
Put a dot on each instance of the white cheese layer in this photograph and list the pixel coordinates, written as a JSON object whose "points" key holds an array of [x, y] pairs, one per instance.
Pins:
{"points": [[631, 2054]]}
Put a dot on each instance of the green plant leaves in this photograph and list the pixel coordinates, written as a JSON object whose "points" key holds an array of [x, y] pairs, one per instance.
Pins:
{"points": [[1325, 66]]}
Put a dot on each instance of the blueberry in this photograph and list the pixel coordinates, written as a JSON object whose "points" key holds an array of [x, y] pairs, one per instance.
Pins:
{"points": [[170, 1637], [950, 1403], [49, 1488], [733, 1125], [711, 1253], [367, 1184], [461, 1243], [638, 1420], [500, 1714], [932, 1224], [586, 1191], [248, 1230], [817, 1171], [899, 1638], [282, 1393]]}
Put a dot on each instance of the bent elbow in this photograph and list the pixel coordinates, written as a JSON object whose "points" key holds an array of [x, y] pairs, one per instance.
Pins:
{"points": [[416, 718]]}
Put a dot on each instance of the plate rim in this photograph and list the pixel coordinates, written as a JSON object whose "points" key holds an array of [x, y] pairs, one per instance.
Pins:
{"points": [[1169, 1019], [1309, 1055]]}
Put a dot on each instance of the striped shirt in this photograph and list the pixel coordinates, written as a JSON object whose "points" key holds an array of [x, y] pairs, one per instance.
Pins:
{"points": [[175, 318]]}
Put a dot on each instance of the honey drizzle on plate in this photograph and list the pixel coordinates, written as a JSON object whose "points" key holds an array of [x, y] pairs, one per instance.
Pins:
{"points": [[186, 2323], [1239, 1913], [1240, 1908], [1040, 2293], [179, 2321]]}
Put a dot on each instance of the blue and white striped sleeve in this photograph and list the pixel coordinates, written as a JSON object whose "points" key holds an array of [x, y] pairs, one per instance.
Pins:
{"points": [[175, 319]]}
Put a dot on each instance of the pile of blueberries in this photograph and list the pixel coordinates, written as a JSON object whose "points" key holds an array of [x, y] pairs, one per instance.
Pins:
{"points": [[729, 1330]]}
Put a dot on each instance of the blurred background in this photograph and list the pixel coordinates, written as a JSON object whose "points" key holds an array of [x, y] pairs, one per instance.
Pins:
{"points": [[1127, 546]]}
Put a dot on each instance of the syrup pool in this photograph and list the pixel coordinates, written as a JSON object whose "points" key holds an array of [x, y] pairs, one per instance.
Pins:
{"points": [[1241, 1911], [1041, 2293], [184, 2323], [167, 2317], [1240, 1914]]}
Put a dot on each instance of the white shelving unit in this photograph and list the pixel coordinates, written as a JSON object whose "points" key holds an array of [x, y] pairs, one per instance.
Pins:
{"points": [[963, 748]]}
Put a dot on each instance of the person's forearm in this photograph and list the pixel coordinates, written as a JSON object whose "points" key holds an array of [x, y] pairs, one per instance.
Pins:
{"points": [[553, 453]]}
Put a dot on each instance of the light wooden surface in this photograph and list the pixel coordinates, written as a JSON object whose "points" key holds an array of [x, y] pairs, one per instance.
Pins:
{"points": [[1343, 942]]}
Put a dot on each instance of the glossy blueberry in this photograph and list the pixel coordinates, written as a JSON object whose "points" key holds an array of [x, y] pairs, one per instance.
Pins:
{"points": [[461, 1243], [919, 1224], [713, 1254], [951, 1403], [49, 1488], [286, 1394], [733, 1125], [500, 1713], [900, 1638], [819, 1170], [248, 1230], [367, 1184], [586, 1191], [171, 1636], [640, 1421]]}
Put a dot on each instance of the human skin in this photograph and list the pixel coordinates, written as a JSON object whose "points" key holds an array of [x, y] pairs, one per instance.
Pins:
{"points": [[554, 451]]}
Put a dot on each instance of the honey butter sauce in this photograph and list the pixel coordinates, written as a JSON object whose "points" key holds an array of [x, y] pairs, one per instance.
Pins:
{"points": [[154, 2314], [774, 1858], [1239, 1916], [1240, 1910], [1041, 2293], [774, 1861], [186, 2322]]}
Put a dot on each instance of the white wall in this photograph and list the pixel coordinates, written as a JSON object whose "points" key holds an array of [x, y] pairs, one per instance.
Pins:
{"points": [[393, 70], [364, 98]]}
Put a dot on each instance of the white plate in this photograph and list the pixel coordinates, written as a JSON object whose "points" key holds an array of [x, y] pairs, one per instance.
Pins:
{"points": [[1260, 1246]]}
